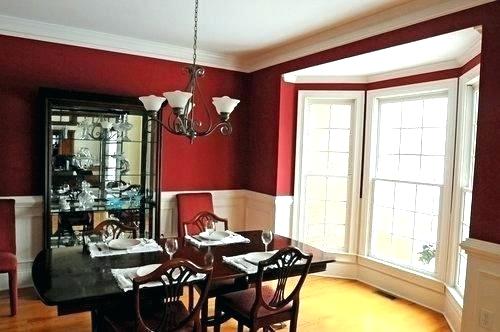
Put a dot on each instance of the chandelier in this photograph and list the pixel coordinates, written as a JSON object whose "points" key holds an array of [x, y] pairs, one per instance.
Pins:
{"points": [[181, 120]]}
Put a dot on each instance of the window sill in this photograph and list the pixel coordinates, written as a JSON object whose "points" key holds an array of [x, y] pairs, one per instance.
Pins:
{"points": [[413, 277]]}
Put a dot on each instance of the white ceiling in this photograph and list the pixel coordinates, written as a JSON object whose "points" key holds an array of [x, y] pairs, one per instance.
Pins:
{"points": [[231, 27], [448, 48], [235, 34]]}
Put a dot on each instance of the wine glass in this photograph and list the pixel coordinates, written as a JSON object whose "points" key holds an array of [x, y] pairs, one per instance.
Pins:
{"points": [[126, 126], [171, 247], [210, 227], [267, 237], [137, 230], [107, 236]]}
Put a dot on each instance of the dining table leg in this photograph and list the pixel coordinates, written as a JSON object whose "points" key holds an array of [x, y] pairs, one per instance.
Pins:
{"points": [[95, 320]]}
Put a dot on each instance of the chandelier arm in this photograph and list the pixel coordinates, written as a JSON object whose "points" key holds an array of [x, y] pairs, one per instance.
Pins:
{"points": [[210, 127], [176, 124], [225, 129], [166, 127]]}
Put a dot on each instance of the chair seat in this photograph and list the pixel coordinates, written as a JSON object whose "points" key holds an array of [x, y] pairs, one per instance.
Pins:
{"points": [[123, 319], [242, 302], [218, 287], [8, 262]]}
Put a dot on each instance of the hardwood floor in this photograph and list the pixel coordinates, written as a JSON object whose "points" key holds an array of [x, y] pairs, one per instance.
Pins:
{"points": [[327, 304]]}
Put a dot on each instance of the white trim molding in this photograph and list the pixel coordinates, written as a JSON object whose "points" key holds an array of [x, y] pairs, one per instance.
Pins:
{"points": [[24, 28], [29, 237], [482, 291], [401, 16], [394, 18]]}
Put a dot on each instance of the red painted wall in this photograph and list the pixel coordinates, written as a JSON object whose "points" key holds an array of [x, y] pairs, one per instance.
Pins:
{"points": [[266, 87], [215, 162]]}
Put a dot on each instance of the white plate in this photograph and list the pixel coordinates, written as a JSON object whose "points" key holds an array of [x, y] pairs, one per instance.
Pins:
{"points": [[122, 244], [215, 236], [147, 269], [256, 257]]}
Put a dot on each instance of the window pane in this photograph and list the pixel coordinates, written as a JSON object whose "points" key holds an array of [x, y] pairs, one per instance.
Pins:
{"points": [[321, 117], [325, 174], [340, 116], [410, 155], [435, 112], [339, 140], [338, 163], [411, 141]]}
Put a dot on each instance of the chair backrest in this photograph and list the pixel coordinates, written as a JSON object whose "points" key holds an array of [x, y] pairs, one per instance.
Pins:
{"points": [[286, 263], [7, 226], [188, 207], [76, 218], [174, 276], [114, 227], [198, 223]]}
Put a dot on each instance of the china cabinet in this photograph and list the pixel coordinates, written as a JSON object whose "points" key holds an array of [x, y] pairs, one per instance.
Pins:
{"points": [[101, 161]]}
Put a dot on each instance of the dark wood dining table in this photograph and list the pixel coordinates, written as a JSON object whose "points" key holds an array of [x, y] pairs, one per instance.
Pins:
{"points": [[74, 282]]}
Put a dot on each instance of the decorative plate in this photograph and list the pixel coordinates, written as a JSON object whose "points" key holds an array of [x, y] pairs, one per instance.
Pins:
{"points": [[147, 269], [123, 244], [256, 257], [215, 236]]}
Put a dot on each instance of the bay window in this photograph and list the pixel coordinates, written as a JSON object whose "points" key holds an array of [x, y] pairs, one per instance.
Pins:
{"points": [[328, 183], [407, 183]]}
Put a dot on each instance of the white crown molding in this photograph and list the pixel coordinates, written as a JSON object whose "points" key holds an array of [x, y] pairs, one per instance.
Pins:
{"points": [[363, 79], [397, 17], [298, 79], [470, 53], [414, 71], [19, 27]]}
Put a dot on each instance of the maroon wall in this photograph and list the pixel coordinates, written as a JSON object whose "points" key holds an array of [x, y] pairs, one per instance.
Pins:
{"points": [[25, 65], [266, 87]]}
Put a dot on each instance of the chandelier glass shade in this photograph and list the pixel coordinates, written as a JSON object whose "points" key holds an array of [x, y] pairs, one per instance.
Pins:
{"points": [[181, 120]]}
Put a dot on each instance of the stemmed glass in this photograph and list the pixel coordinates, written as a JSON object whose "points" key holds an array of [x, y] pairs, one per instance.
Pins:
{"points": [[126, 126], [210, 227], [106, 236], [267, 237], [137, 230], [171, 247]]}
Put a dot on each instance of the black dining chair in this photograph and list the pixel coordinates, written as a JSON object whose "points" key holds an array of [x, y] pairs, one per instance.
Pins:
{"points": [[268, 304], [165, 310]]}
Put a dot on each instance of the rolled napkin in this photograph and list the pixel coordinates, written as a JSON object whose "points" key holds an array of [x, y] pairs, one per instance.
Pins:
{"points": [[101, 250], [124, 278], [231, 239]]}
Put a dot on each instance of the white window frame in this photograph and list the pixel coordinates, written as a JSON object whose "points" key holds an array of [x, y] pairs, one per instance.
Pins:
{"points": [[372, 98], [357, 134], [464, 122]]}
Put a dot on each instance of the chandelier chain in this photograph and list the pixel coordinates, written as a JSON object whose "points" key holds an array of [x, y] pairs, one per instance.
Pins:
{"points": [[195, 38]]}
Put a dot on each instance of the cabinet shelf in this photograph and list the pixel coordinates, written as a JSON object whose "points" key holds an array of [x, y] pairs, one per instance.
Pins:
{"points": [[67, 152], [56, 209]]}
